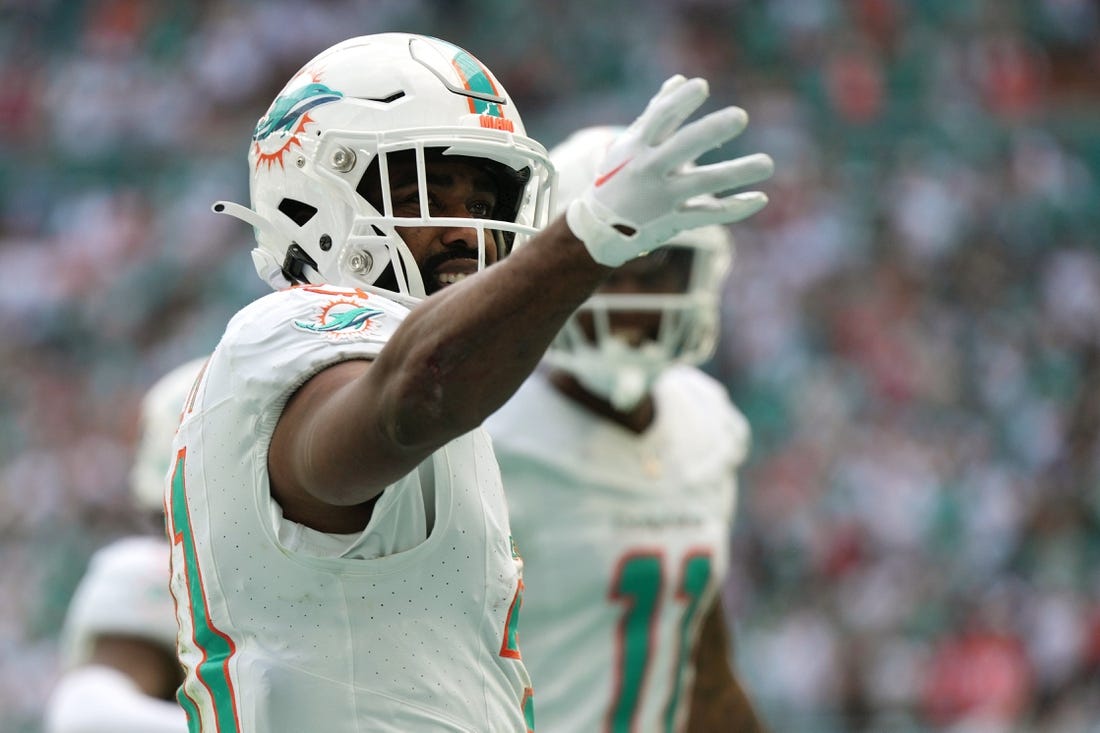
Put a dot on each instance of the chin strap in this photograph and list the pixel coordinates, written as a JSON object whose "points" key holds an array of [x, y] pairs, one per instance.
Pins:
{"points": [[616, 371], [624, 389], [270, 270]]}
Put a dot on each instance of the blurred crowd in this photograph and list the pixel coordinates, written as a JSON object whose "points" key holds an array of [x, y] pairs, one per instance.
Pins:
{"points": [[912, 326]]}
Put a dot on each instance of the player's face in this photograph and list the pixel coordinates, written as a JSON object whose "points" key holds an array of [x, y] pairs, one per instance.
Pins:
{"points": [[663, 271], [457, 187]]}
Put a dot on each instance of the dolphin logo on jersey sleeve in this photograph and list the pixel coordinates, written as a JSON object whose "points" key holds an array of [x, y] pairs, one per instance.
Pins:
{"points": [[354, 319], [342, 316]]}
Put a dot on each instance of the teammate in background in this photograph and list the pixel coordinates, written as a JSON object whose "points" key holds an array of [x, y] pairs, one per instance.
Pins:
{"points": [[120, 672], [341, 553], [619, 462]]}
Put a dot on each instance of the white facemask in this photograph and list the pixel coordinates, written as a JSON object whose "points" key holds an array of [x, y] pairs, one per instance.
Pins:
{"points": [[618, 372]]}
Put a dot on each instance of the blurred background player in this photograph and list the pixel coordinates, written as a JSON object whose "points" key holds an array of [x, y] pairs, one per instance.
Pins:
{"points": [[618, 458], [120, 670], [341, 553]]}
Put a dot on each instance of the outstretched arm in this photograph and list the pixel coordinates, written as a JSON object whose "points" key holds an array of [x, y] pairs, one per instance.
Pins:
{"points": [[357, 427], [718, 702]]}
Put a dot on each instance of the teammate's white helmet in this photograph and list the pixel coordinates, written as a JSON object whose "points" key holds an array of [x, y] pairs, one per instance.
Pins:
{"points": [[606, 363], [125, 592], [161, 409], [326, 136]]}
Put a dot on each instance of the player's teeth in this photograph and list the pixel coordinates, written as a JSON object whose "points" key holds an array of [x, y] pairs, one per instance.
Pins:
{"points": [[452, 277]]}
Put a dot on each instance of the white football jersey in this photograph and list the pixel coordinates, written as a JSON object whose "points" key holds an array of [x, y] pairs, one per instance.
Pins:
{"points": [[408, 625], [625, 540]]}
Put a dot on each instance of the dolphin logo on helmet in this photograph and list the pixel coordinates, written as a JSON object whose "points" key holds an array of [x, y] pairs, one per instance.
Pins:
{"points": [[286, 110]]}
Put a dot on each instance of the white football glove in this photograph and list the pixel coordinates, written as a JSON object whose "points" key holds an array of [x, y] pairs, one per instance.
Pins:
{"points": [[649, 188]]}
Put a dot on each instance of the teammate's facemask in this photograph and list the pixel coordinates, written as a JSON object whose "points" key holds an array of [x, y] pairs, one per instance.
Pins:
{"points": [[655, 311]]}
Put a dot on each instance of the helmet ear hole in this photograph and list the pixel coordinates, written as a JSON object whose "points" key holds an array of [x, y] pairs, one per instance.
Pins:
{"points": [[297, 211]]}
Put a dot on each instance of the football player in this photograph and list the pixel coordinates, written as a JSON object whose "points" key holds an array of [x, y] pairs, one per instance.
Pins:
{"points": [[619, 460], [342, 559], [118, 642]]}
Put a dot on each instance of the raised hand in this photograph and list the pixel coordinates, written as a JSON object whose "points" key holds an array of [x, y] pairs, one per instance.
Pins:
{"points": [[648, 187]]}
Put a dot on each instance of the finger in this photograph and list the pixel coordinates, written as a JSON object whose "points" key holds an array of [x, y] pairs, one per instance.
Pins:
{"points": [[670, 108], [712, 210], [706, 133], [725, 176], [671, 83]]}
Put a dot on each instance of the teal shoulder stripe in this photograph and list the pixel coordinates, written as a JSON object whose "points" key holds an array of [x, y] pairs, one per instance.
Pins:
{"points": [[217, 648]]}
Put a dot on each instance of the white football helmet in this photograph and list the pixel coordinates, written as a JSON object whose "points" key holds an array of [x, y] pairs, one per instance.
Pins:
{"points": [[327, 136], [161, 409], [124, 592], [603, 357]]}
